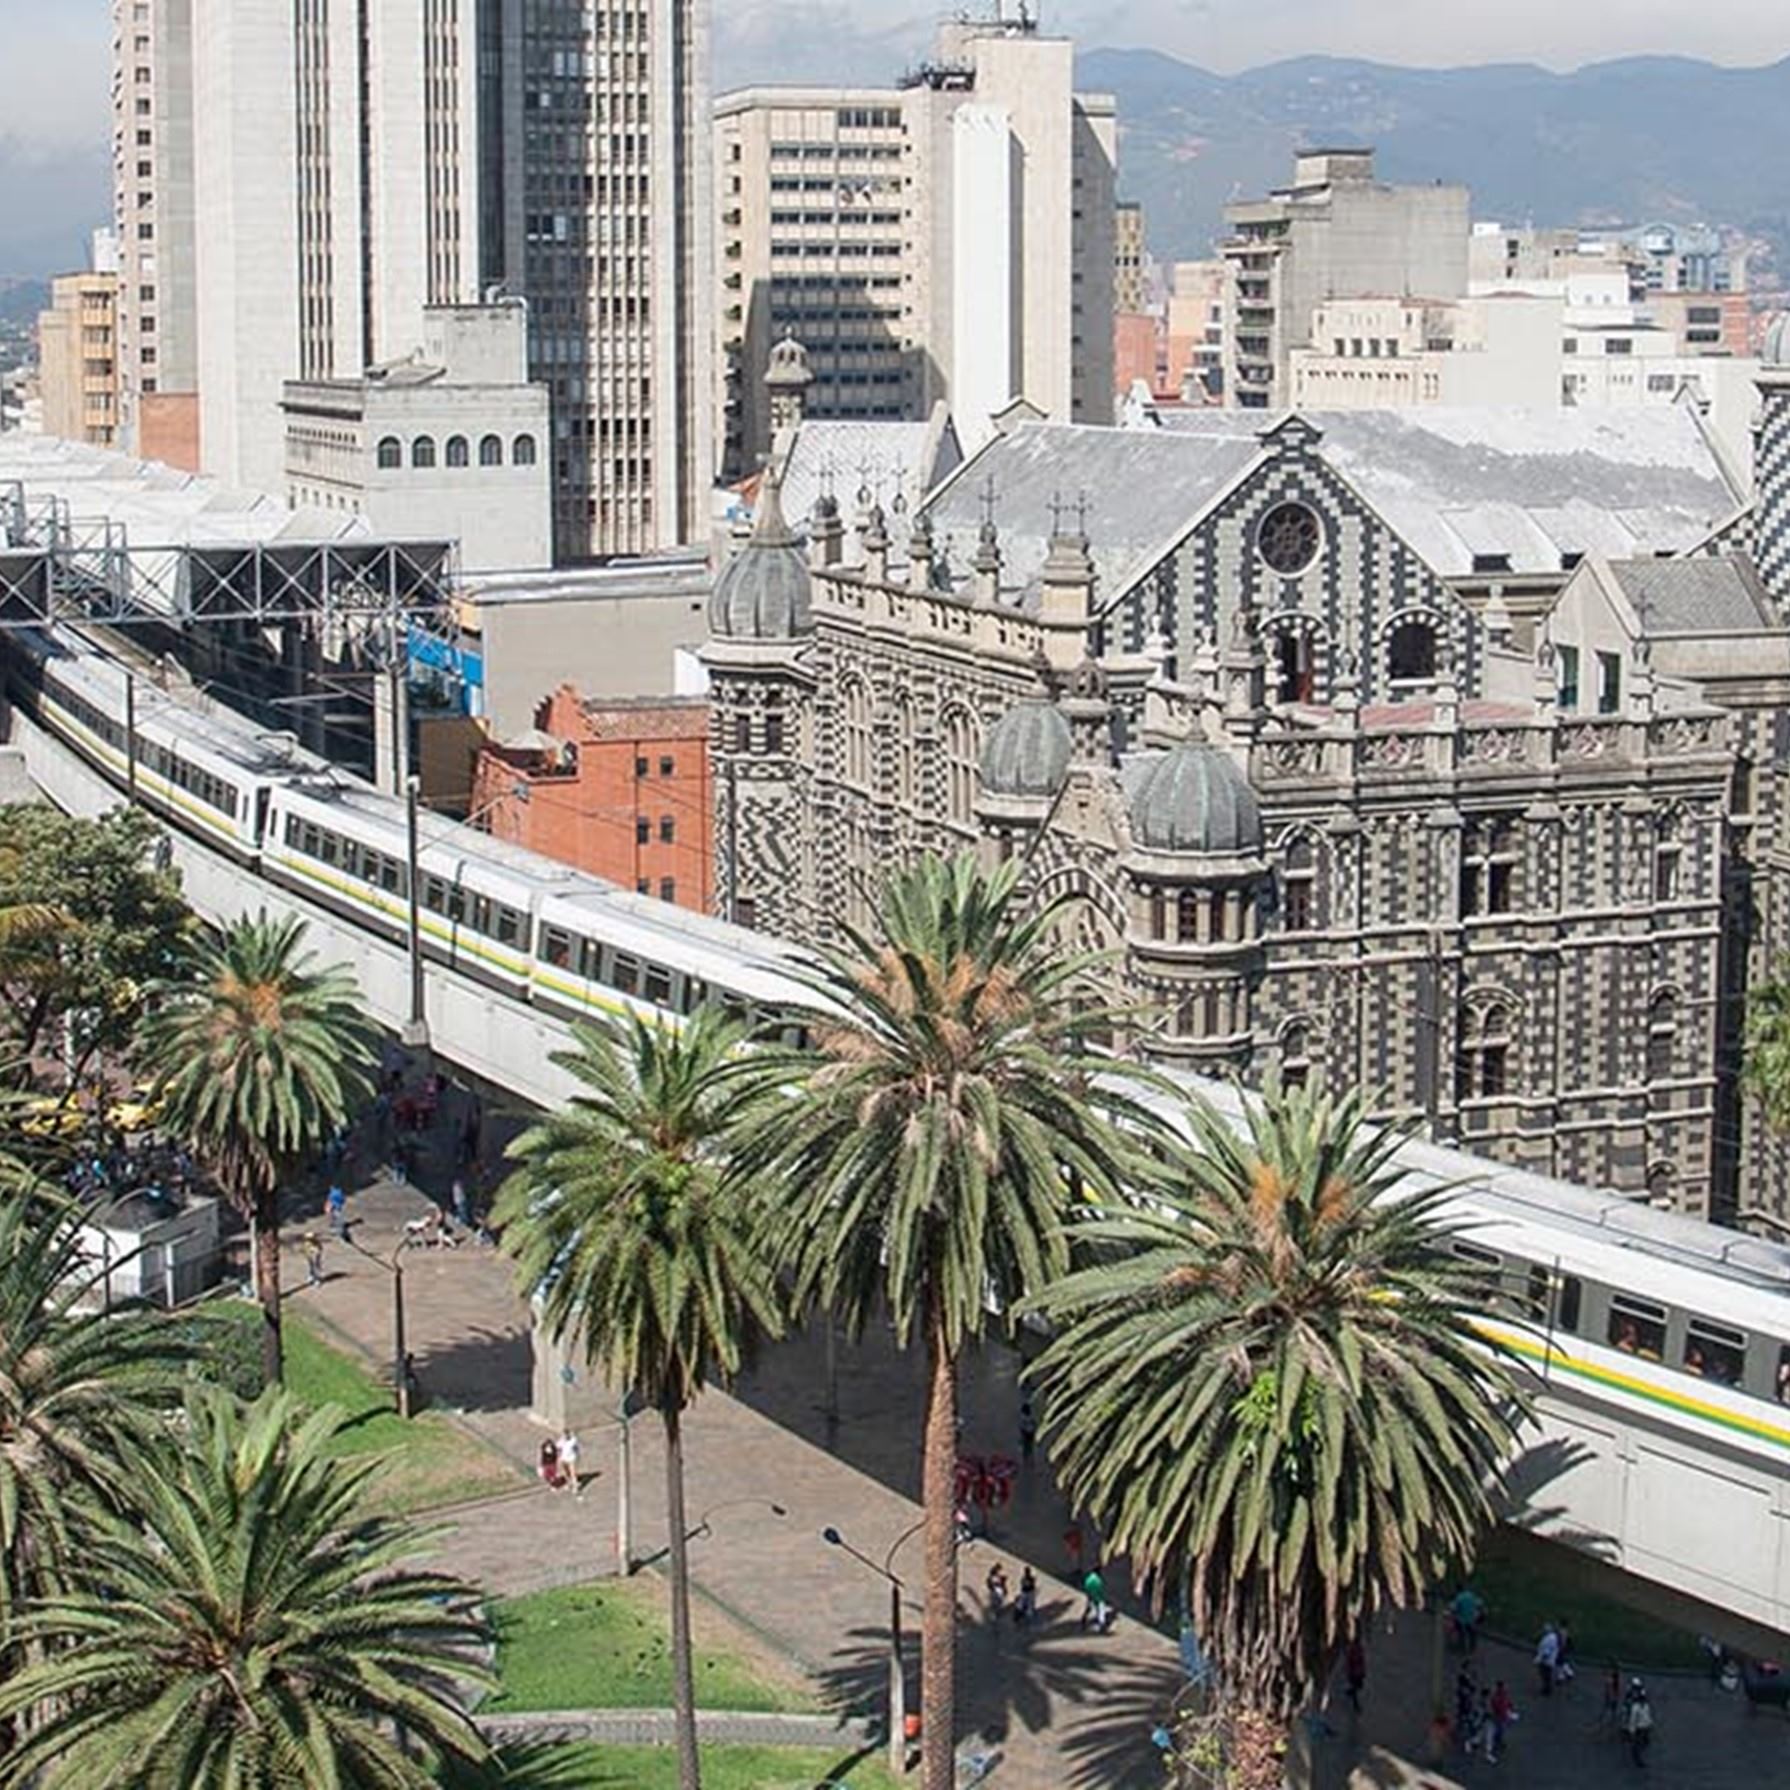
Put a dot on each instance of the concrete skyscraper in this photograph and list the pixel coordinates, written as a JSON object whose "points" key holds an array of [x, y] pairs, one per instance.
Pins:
{"points": [[353, 164]]}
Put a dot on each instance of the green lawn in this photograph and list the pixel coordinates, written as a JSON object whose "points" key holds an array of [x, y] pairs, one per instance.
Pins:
{"points": [[430, 1461], [655, 1768], [1526, 1583], [606, 1646]]}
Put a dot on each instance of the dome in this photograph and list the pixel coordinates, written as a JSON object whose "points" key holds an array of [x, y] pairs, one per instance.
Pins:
{"points": [[1776, 352], [1194, 799], [763, 592], [1027, 751]]}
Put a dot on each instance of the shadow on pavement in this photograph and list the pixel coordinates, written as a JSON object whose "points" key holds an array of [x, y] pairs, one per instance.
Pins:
{"points": [[484, 1370]]}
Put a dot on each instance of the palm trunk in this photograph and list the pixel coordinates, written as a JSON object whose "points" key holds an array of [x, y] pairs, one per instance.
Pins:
{"points": [[683, 1677], [938, 1493], [267, 1283]]}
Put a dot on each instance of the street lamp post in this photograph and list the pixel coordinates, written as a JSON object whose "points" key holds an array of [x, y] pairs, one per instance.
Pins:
{"points": [[395, 1268], [897, 1674]]}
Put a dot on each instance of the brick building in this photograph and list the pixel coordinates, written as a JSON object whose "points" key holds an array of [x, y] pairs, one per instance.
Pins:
{"points": [[618, 788]]}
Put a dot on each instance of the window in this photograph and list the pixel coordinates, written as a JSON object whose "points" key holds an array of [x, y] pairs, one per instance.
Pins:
{"points": [[1187, 917], [1782, 1385], [657, 986], [1637, 1327], [1566, 660], [1488, 865], [1482, 1065], [625, 977], [667, 767], [773, 721], [960, 756], [857, 735], [1662, 1035], [522, 451], [1295, 1056], [1668, 855], [643, 831], [1569, 1301], [1293, 658], [1714, 1352], [1411, 655], [422, 451], [640, 767], [391, 453], [1618, 345], [556, 947], [1298, 875], [1288, 538], [458, 452], [668, 888], [667, 829], [490, 450], [1609, 683]]}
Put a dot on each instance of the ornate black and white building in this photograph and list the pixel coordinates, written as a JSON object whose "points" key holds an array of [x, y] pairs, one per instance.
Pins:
{"points": [[1435, 754]]}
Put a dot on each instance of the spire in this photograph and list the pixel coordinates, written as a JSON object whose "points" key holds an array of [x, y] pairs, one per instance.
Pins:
{"points": [[769, 526]]}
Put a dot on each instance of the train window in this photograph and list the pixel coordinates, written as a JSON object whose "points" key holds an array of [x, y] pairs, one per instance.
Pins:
{"points": [[590, 960], [626, 977], [1637, 1328], [310, 844], [391, 875], [1479, 1257], [351, 860], [455, 905], [1572, 1295], [434, 894], [481, 914], [556, 948], [658, 985], [509, 926], [691, 995], [332, 848], [292, 829], [1783, 1379], [1715, 1352]]}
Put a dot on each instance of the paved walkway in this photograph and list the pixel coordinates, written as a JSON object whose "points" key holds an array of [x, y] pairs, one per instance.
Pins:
{"points": [[768, 1469], [657, 1727]]}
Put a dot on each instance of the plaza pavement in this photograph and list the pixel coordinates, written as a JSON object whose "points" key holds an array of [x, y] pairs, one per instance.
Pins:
{"points": [[1063, 1709]]}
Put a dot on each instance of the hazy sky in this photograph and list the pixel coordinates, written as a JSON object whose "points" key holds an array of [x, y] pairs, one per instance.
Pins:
{"points": [[54, 73]]}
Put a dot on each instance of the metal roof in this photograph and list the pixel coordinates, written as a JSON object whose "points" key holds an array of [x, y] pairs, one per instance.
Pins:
{"points": [[1695, 596]]}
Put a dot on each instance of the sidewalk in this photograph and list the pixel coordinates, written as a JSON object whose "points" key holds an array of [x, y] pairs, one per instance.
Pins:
{"points": [[1066, 1711]]}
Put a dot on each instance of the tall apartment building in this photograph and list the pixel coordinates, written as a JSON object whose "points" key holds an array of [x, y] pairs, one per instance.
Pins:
{"points": [[1130, 251], [153, 201], [355, 163], [595, 180], [1335, 232], [951, 239], [77, 357]]}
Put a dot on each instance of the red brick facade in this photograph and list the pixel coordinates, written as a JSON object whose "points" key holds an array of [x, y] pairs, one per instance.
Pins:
{"points": [[625, 794]]}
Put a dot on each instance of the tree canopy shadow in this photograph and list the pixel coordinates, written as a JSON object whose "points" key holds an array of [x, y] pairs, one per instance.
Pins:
{"points": [[480, 1370]]}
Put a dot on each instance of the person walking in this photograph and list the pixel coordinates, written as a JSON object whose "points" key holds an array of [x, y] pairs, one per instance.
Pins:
{"points": [[1502, 1710], [462, 1205], [313, 1259], [1025, 1606], [335, 1203], [1096, 1613], [1028, 1429], [1355, 1671], [568, 1461], [996, 1584], [1469, 1612], [1466, 1709], [1637, 1721], [547, 1464], [1547, 1659]]}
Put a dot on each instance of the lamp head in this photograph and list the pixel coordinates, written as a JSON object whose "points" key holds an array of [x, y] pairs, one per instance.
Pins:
{"points": [[832, 1537]]}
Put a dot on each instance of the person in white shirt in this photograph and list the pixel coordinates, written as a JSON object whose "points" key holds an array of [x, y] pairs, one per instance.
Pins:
{"points": [[568, 1461]]}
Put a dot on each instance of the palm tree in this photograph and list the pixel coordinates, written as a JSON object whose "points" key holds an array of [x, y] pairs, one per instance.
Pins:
{"points": [[1767, 1070], [927, 1157], [1266, 1389], [240, 1622], [76, 1387], [619, 1219], [258, 1058]]}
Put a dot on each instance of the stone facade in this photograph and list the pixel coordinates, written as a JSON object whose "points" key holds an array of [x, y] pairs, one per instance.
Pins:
{"points": [[1327, 819]]}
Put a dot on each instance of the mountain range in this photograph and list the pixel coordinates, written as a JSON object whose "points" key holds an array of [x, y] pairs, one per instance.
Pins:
{"points": [[1642, 140]]}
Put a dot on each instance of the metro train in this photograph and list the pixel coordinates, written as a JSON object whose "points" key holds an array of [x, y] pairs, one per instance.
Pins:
{"points": [[1663, 1317]]}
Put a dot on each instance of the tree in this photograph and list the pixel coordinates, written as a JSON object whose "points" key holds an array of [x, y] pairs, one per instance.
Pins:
{"points": [[1767, 1070], [76, 1388], [90, 923], [1267, 1390], [240, 1622], [258, 1058], [927, 1155], [619, 1219]]}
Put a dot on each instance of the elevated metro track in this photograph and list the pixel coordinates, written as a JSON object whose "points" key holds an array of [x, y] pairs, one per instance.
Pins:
{"points": [[1678, 1479]]}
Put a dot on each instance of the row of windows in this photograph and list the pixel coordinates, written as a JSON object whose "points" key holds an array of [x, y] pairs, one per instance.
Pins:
{"points": [[457, 451], [202, 785]]}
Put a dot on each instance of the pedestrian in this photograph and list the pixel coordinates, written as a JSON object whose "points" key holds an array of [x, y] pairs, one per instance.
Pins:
{"points": [[997, 1590], [547, 1463], [1637, 1721], [1469, 1612], [412, 1384], [313, 1259], [1355, 1671], [1547, 1659], [1025, 1606], [1028, 1429], [568, 1461], [961, 1526], [1611, 1713], [462, 1206], [335, 1203], [1503, 1711], [1096, 1613], [1466, 1709]]}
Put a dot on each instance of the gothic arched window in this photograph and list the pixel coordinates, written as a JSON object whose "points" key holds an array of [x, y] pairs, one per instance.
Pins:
{"points": [[1662, 1035], [1411, 652], [857, 734], [961, 748], [1482, 1062]]}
